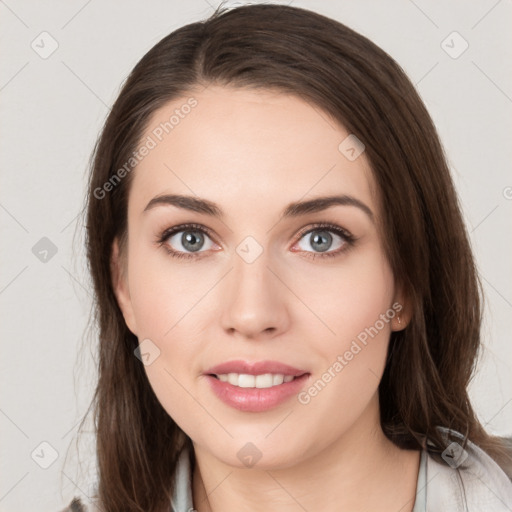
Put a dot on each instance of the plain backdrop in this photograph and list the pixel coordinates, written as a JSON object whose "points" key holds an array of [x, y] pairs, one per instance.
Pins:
{"points": [[62, 66]]}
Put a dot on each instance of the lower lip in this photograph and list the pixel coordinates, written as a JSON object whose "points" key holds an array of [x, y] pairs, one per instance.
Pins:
{"points": [[256, 399]]}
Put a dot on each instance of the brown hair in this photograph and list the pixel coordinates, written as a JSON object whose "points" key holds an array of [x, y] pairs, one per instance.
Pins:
{"points": [[299, 52]]}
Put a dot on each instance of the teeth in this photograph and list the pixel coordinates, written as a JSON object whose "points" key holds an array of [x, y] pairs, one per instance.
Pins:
{"points": [[243, 380]]}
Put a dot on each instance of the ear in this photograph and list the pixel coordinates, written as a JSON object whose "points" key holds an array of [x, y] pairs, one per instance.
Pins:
{"points": [[118, 270], [402, 308]]}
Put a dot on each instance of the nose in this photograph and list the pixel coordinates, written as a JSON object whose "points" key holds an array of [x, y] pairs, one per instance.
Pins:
{"points": [[254, 302]]}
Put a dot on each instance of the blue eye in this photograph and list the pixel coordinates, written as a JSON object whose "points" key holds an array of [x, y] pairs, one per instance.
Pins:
{"points": [[192, 240], [188, 237], [326, 240]]}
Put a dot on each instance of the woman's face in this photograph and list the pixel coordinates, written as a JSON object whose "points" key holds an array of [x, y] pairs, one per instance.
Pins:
{"points": [[261, 280]]}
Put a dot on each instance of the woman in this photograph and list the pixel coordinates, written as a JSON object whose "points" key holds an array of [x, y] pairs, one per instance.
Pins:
{"points": [[288, 306]]}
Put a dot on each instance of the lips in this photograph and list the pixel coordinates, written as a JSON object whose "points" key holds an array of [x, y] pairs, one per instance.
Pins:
{"points": [[255, 399], [247, 387], [254, 368]]}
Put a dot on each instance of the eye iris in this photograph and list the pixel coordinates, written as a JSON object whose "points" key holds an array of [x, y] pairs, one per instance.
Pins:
{"points": [[192, 240], [322, 239]]}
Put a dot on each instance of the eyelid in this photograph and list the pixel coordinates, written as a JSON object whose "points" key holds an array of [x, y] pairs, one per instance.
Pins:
{"points": [[188, 226], [328, 227]]}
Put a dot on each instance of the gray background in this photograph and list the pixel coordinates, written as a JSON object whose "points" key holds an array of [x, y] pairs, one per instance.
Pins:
{"points": [[52, 111]]}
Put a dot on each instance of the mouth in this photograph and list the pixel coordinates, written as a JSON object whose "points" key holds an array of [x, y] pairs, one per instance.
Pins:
{"points": [[261, 381], [255, 387], [253, 399]]}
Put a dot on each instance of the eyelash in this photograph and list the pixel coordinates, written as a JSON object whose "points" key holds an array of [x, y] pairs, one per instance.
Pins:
{"points": [[349, 239]]}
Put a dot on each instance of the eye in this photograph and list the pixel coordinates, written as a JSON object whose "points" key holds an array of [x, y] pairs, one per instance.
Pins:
{"points": [[186, 241], [325, 240], [191, 240]]}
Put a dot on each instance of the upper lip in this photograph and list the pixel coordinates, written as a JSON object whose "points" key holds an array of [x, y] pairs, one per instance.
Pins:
{"points": [[254, 368]]}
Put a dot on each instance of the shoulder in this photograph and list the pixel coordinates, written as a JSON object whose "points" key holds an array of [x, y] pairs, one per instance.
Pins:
{"points": [[469, 480], [77, 505]]}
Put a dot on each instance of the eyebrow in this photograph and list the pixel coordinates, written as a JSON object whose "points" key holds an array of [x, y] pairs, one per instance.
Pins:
{"points": [[296, 209]]}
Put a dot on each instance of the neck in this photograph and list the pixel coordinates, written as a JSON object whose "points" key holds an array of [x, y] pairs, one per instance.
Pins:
{"points": [[361, 470]]}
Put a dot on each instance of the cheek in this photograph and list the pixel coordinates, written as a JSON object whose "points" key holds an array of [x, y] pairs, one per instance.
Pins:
{"points": [[355, 305], [163, 292], [348, 299], [168, 310]]}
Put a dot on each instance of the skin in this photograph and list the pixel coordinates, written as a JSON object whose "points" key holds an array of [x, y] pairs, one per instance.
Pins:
{"points": [[253, 152]]}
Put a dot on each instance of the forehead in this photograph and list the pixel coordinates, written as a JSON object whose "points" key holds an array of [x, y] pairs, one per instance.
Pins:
{"points": [[242, 148]]}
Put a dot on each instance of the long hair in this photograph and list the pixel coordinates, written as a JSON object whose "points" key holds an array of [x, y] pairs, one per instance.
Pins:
{"points": [[299, 52]]}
